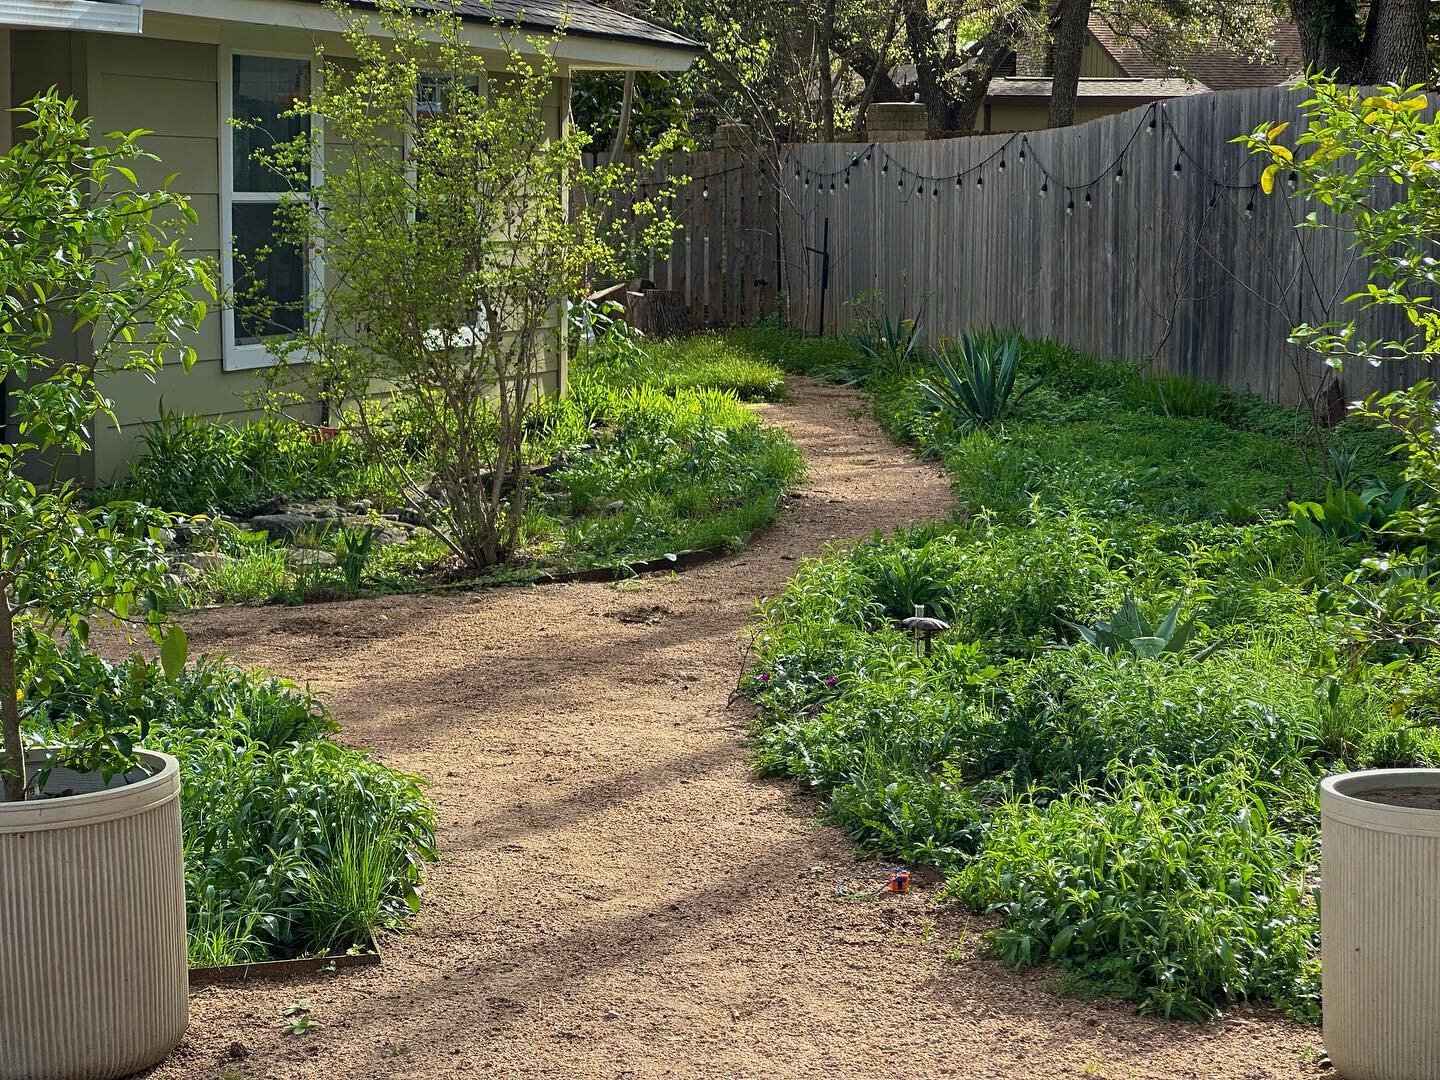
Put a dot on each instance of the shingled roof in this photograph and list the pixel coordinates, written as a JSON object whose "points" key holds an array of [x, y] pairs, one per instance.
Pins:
{"points": [[582, 17], [1217, 68]]}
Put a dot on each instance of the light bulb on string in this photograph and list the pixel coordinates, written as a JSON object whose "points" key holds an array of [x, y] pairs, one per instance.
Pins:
{"points": [[705, 191], [847, 178], [1088, 201], [1002, 163], [1119, 174], [959, 181], [920, 187], [1177, 167], [1044, 186], [1292, 181], [832, 187], [1070, 205], [935, 192], [980, 180], [1022, 153], [1250, 207]]}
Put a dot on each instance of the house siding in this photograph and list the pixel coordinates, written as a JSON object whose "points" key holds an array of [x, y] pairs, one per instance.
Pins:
{"points": [[172, 88]]}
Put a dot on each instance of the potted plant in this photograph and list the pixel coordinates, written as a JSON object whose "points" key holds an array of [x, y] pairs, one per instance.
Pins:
{"points": [[1379, 924], [92, 898]]}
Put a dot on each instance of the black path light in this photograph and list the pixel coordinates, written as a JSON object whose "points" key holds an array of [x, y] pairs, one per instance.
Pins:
{"points": [[924, 629]]}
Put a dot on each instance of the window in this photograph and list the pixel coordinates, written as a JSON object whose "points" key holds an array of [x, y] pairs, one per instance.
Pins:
{"points": [[259, 90]]}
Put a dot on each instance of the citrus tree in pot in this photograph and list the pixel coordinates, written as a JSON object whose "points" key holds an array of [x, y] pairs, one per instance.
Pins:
{"points": [[1366, 160], [92, 960]]}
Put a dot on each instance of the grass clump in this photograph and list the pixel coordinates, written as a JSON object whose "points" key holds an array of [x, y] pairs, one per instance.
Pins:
{"points": [[1145, 817]]}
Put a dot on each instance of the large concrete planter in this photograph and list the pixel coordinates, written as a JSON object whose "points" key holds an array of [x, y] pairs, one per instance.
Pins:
{"points": [[1380, 923], [92, 926]]}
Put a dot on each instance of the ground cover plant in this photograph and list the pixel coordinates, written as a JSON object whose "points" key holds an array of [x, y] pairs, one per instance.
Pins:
{"points": [[1116, 748], [294, 845], [651, 452]]}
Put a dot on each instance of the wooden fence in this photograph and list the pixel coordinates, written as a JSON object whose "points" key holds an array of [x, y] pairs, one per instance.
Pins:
{"points": [[1143, 235]]}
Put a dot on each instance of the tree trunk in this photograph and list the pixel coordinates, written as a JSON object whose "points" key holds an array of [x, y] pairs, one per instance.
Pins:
{"points": [[12, 763], [922, 37], [827, 74], [966, 110], [1395, 46], [873, 76], [622, 129], [1331, 36], [1070, 30]]}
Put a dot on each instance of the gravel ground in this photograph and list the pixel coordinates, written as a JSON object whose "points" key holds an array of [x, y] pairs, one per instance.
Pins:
{"points": [[618, 895]]}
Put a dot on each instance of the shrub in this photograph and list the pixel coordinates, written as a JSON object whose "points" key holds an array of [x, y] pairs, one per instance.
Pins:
{"points": [[1177, 891], [196, 465], [293, 843], [973, 384]]}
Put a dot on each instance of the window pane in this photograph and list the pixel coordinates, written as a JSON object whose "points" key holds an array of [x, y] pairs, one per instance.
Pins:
{"points": [[269, 278], [263, 88]]}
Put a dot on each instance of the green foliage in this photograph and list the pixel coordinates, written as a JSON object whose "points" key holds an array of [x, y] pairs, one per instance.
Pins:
{"points": [[885, 342], [194, 465], [1128, 632], [706, 361], [86, 249], [293, 844], [454, 255], [1350, 515], [976, 380], [1175, 890], [1142, 811]]}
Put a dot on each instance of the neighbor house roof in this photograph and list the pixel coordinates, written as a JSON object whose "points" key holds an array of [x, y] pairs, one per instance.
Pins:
{"points": [[583, 17], [1216, 68], [1145, 89]]}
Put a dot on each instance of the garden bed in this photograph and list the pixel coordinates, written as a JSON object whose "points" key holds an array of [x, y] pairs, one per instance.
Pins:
{"points": [[1147, 819], [650, 456]]}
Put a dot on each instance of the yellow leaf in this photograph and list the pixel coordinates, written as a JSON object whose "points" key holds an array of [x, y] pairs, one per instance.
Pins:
{"points": [[1282, 152], [1370, 118], [1415, 104], [1373, 102], [1274, 133], [1267, 179]]}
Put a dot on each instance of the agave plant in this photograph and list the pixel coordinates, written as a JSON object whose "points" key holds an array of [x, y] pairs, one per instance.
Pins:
{"points": [[976, 383], [1129, 633], [888, 343]]}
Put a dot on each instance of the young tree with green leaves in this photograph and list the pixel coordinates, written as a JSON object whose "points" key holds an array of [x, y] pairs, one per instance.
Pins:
{"points": [[446, 243], [1371, 160], [83, 250]]}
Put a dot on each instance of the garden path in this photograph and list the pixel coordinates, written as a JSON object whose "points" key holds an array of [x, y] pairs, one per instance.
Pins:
{"points": [[618, 895]]}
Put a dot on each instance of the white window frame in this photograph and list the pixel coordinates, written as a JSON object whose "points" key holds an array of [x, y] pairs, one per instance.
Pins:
{"points": [[234, 355]]}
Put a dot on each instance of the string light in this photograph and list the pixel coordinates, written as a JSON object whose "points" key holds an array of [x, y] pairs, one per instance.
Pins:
{"points": [[705, 191], [935, 192], [1177, 166], [1070, 205], [980, 180], [1088, 202], [1002, 163], [1044, 186], [1022, 153], [1292, 181], [1119, 173]]}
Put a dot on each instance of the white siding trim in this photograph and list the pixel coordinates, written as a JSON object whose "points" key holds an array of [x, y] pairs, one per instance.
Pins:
{"points": [[234, 356], [110, 18]]}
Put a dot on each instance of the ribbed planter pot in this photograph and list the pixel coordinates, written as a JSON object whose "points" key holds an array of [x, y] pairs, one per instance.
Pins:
{"points": [[92, 906], [1380, 923]]}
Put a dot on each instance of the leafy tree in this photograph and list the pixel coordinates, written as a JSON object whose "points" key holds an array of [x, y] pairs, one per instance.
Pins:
{"points": [[1370, 161], [85, 250], [1376, 42], [449, 252]]}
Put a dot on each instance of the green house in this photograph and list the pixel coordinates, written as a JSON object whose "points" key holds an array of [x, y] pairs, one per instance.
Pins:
{"points": [[183, 69]]}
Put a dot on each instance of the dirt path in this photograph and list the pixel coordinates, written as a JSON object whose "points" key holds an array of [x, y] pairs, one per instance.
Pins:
{"points": [[618, 896]]}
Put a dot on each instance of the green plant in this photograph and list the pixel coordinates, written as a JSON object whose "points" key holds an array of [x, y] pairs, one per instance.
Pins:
{"points": [[1176, 395], [86, 249], [1128, 632], [455, 269], [1177, 892], [1350, 515], [293, 843], [976, 385], [888, 343], [353, 547]]}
